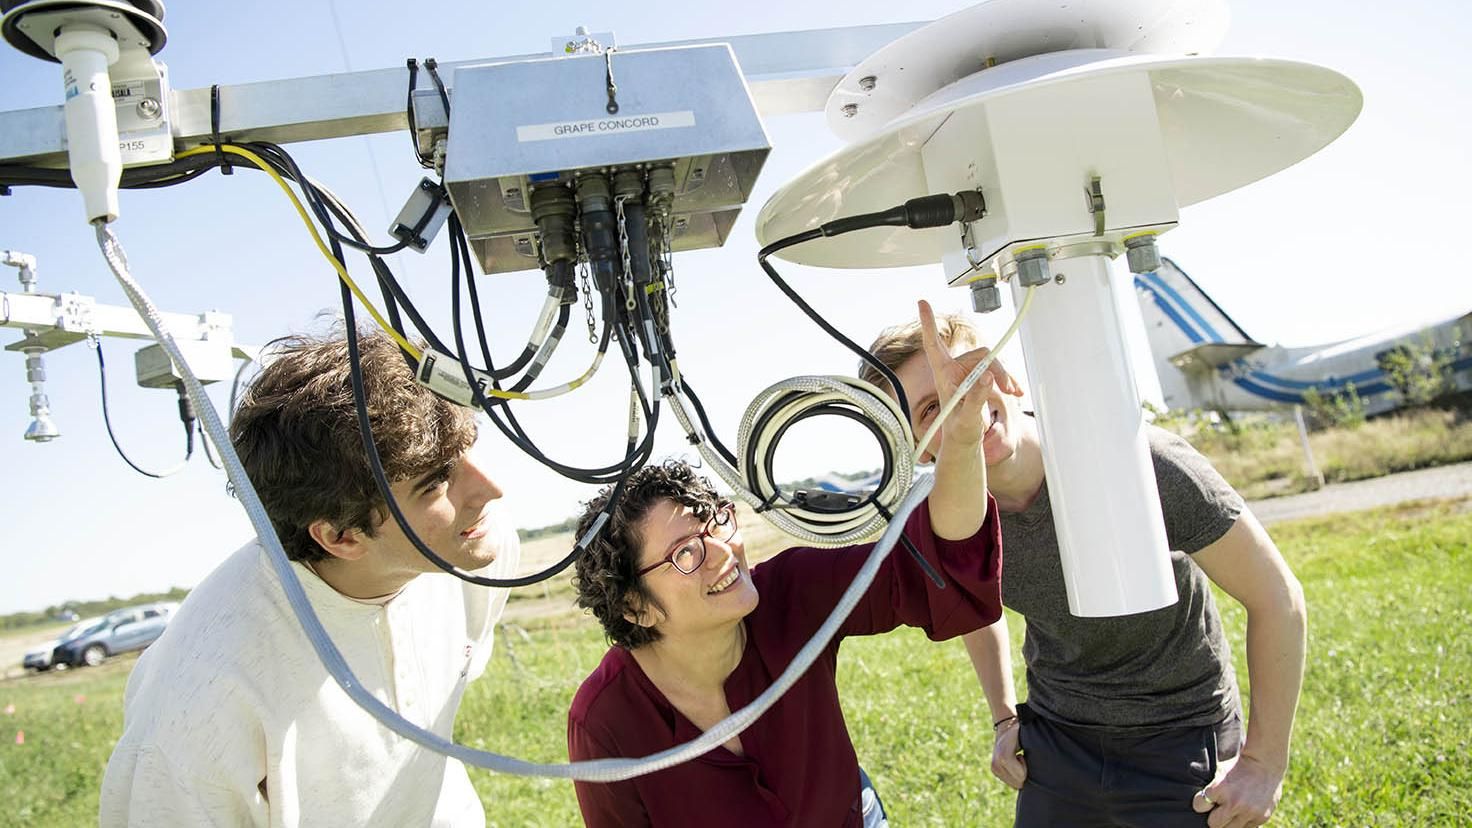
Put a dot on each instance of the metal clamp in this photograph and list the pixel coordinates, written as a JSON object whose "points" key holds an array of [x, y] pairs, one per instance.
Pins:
{"points": [[1095, 195]]}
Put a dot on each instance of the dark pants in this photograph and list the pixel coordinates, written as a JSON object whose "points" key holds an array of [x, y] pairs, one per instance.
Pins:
{"points": [[1080, 776]]}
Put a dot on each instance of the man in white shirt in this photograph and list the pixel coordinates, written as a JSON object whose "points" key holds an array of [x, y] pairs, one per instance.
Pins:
{"points": [[230, 719]]}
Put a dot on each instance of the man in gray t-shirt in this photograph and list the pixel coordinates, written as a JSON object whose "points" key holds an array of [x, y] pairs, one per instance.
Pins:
{"points": [[1132, 720]]}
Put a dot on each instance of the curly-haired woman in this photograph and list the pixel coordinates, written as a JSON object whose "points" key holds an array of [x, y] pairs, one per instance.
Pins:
{"points": [[697, 633]]}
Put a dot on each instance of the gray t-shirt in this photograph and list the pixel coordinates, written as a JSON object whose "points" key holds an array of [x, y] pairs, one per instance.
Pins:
{"points": [[1166, 668]]}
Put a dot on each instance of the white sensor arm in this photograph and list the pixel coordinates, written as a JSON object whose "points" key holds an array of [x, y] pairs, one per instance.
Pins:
{"points": [[86, 52]]}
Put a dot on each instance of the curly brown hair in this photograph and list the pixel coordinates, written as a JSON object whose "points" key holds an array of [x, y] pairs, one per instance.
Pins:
{"points": [[605, 579], [296, 431]]}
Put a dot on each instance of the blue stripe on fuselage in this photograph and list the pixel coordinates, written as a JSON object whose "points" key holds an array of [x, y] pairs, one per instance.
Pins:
{"points": [[1169, 311], [1187, 306]]}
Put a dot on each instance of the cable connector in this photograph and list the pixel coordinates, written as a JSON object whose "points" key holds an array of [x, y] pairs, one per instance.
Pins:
{"points": [[186, 407], [820, 500], [917, 213], [940, 210]]}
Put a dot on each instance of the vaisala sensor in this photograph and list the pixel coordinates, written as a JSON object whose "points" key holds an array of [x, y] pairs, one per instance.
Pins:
{"points": [[117, 97]]}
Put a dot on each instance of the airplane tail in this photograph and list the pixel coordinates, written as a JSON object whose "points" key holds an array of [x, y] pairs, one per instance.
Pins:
{"points": [[1189, 335]]}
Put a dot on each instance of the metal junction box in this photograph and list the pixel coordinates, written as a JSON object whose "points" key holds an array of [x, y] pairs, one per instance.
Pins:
{"points": [[520, 125]]}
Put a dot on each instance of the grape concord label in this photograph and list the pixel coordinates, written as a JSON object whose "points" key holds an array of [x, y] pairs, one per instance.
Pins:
{"points": [[613, 125]]}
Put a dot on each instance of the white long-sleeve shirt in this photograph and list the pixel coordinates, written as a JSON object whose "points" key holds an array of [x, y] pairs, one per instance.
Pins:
{"points": [[230, 718]]}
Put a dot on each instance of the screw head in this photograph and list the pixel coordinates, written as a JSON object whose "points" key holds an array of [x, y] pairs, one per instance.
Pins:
{"points": [[1059, 279], [149, 108], [867, 82], [850, 110]]}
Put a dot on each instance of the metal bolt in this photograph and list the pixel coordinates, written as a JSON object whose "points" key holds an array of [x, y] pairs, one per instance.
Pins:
{"points": [[1032, 267], [866, 83], [985, 296], [1059, 279], [850, 110], [1142, 254], [149, 108]]}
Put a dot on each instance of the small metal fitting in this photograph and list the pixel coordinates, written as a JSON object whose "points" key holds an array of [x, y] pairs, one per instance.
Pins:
{"points": [[866, 83], [593, 192], [628, 183], [850, 110], [553, 211], [42, 428], [1142, 253], [1032, 267], [985, 295], [662, 180], [149, 108]]}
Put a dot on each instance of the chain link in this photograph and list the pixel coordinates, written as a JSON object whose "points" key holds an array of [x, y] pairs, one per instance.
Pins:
{"points": [[623, 246], [587, 285]]}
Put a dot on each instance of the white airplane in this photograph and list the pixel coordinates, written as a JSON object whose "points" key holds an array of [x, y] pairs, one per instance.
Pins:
{"points": [[1205, 360]]}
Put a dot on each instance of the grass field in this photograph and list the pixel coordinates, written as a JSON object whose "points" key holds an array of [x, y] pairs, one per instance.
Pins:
{"points": [[1382, 739]]}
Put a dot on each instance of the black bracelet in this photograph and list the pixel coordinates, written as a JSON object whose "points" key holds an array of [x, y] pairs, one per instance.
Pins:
{"points": [[999, 722]]}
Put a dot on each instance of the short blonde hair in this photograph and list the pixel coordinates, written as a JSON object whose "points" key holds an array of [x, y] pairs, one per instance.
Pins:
{"points": [[897, 344]]}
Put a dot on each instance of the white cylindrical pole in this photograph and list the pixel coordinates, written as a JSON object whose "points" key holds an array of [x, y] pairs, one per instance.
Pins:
{"points": [[1101, 481], [92, 149]]}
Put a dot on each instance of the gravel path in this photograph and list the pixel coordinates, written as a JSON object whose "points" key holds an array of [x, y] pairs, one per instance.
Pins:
{"points": [[1442, 481]]}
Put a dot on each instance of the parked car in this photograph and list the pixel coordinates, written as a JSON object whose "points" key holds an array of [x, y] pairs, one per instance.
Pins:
{"points": [[39, 659], [119, 631]]}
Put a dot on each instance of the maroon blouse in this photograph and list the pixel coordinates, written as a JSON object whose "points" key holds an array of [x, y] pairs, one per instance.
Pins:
{"points": [[799, 766]]}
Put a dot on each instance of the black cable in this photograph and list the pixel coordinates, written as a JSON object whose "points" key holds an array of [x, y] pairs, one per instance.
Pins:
{"points": [[636, 454], [107, 421], [554, 338], [433, 67], [710, 433], [459, 250], [917, 213], [768, 460], [175, 172], [480, 330], [413, 66], [930, 571], [375, 464], [761, 258], [314, 201], [386, 279], [513, 432]]}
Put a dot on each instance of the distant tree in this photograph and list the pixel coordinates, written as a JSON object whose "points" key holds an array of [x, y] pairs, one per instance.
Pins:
{"points": [[1419, 371], [1344, 409], [21, 620]]}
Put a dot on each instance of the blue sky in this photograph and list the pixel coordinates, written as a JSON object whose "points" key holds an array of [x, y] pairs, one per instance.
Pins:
{"points": [[1346, 242]]}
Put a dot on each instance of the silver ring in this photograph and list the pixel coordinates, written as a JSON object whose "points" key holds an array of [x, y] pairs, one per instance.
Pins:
{"points": [[1207, 798]]}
